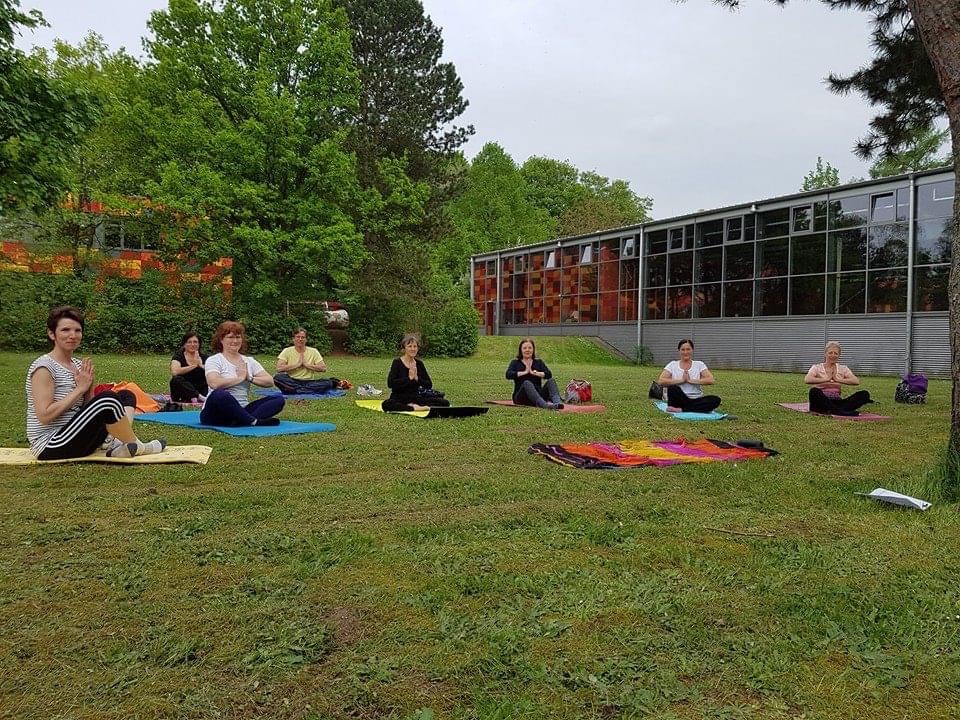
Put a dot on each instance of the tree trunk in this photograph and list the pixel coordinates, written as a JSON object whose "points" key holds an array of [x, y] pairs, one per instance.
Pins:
{"points": [[938, 22]]}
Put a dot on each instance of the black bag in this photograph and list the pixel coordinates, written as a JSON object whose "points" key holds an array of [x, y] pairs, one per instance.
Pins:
{"points": [[430, 393], [903, 394], [657, 391]]}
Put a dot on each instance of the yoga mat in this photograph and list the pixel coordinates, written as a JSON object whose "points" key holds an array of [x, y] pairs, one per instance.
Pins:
{"points": [[267, 392], [438, 412], [198, 454], [567, 408], [626, 454], [191, 419], [662, 406], [805, 408]]}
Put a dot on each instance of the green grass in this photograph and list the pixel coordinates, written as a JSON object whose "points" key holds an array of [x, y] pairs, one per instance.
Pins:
{"points": [[401, 568]]}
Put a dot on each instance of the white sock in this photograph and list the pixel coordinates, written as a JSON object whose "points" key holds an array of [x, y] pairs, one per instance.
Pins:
{"points": [[152, 447]]}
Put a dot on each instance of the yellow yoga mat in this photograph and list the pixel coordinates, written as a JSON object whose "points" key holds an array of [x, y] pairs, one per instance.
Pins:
{"points": [[198, 454], [378, 406]]}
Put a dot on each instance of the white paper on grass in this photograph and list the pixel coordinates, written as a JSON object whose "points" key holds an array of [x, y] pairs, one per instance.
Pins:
{"points": [[895, 498]]}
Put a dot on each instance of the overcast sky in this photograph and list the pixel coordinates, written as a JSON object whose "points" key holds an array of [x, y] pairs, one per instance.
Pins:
{"points": [[696, 106]]}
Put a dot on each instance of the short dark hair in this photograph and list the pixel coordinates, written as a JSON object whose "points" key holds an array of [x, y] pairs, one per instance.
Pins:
{"points": [[685, 341], [520, 348], [187, 336], [228, 327], [63, 311]]}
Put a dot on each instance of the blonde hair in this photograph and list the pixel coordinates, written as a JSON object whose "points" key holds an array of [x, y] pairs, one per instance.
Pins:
{"points": [[833, 344]]}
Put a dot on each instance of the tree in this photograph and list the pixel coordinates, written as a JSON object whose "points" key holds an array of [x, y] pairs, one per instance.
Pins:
{"points": [[919, 153], [553, 185], [241, 121], [606, 205], [41, 119], [408, 99], [914, 78], [824, 175], [493, 212]]}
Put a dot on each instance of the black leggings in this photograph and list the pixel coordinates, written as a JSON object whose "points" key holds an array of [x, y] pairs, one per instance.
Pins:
{"points": [[703, 404], [850, 406], [182, 390], [87, 430]]}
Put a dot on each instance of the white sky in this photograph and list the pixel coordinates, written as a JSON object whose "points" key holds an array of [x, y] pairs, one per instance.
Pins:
{"points": [[694, 105]]}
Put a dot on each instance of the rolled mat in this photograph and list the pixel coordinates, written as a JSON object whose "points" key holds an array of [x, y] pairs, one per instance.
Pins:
{"points": [[198, 454], [682, 415], [567, 408], [436, 412], [805, 408], [192, 420]]}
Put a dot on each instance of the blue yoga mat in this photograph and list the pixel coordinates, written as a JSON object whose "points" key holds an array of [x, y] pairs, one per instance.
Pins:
{"points": [[265, 392], [190, 419], [662, 406]]}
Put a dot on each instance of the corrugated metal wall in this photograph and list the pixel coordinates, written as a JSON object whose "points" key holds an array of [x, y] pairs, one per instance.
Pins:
{"points": [[872, 345], [931, 344]]}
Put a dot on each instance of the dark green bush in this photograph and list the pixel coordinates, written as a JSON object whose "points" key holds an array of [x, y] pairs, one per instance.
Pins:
{"points": [[25, 302], [150, 314], [269, 330], [376, 324], [453, 330]]}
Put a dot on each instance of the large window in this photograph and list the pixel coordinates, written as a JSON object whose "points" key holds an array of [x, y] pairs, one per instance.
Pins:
{"points": [[828, 255]]}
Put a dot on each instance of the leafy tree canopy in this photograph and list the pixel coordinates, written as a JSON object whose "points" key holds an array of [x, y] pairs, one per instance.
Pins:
{"points": [[40, 120], [824, 175], [921, 152]]}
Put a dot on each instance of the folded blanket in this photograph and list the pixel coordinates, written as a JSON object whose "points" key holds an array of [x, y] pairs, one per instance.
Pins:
{"points": [[645, 453], [198, 454], [192, 420], [567, 408], [436, 412], [682, 415], [805, 408]]}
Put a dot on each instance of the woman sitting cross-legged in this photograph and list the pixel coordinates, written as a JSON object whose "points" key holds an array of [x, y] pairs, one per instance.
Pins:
{"points": [[64, 418], [827, 378], [188, 381], [684, 379], [533, 383], [230, 375], [409, 382]]}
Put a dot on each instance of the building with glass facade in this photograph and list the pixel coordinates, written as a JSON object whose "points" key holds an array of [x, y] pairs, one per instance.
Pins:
{"points": [[759, 285]]}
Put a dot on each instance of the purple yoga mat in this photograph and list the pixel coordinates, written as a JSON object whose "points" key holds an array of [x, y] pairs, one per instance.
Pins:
{"points": [[805, 408]]}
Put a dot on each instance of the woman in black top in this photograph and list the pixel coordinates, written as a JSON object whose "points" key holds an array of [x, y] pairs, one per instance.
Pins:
{"points": [[527, 372], [409, 382], [189, 381]]}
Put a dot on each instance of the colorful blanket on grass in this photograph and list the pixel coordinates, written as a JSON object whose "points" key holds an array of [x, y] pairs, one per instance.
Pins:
{"points": [[645, 453]]}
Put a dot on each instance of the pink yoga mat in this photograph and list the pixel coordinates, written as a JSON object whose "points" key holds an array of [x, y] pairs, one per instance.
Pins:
{"points": [[566, 408], [805, 408]]}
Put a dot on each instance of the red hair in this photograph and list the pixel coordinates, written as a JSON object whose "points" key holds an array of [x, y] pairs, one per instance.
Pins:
{"points": [[228, 327]]}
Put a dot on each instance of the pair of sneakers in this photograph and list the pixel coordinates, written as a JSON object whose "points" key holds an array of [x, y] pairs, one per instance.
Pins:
{"points": [[368, 391]]}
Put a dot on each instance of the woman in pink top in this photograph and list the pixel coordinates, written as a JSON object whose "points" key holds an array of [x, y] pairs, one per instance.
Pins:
{"points": [[827, 379]]}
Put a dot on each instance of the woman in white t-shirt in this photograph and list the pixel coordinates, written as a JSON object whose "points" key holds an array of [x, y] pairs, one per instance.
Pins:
{"points": [[683, 378], [230, 375]]}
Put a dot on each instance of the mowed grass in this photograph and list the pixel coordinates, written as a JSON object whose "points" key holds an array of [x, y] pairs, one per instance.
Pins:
{"points": [[403, 568]]}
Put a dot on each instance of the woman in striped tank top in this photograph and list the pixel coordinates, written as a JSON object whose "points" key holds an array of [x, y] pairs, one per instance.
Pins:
{"points": [[64, 418]]}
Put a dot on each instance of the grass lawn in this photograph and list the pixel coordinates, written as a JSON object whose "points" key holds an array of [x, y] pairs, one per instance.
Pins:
{"points": [[404, 568]]}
